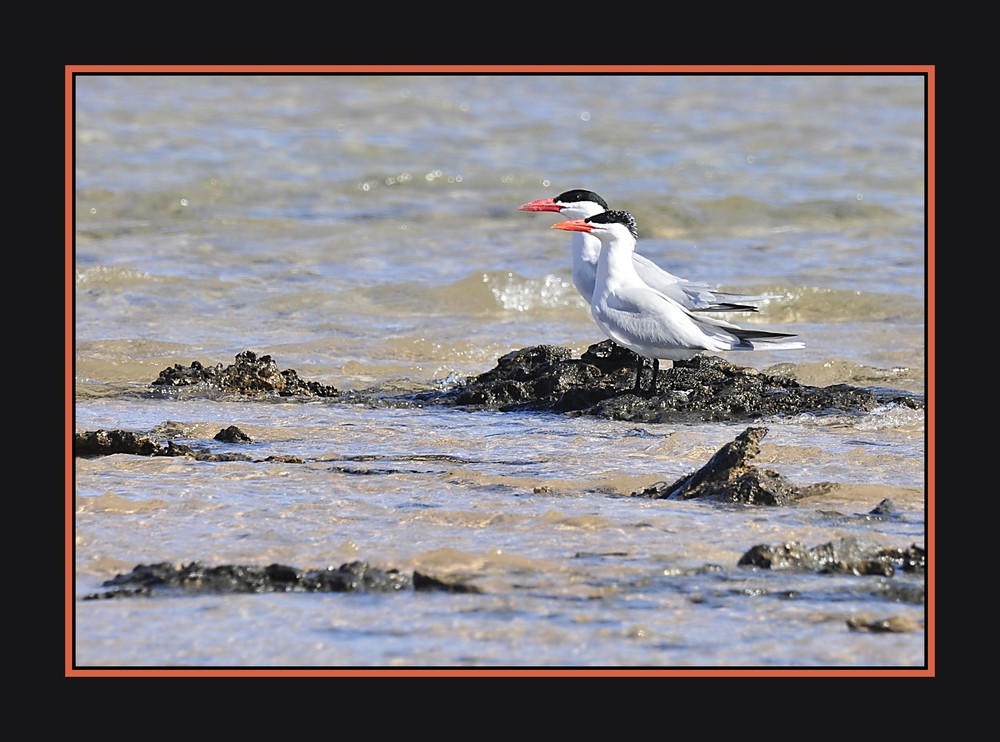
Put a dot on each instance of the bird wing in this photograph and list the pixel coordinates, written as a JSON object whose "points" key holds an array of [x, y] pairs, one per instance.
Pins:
{"points": [[697, 297], [641, 317]]}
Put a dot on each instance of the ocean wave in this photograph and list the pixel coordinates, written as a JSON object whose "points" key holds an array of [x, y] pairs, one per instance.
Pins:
{"points": [[884, 418], [828, 305]]}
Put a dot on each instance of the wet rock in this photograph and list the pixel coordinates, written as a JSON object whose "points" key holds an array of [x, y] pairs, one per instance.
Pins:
{"points": [[901, 593], [547, 377], [150, 579], [845, 556], [232, 434], [884, 510], [530, 378], [730, 477], [248, 375], [894, 624], [209, 456], [106, 442], [600, 383], [94, 443], [422, 581]]}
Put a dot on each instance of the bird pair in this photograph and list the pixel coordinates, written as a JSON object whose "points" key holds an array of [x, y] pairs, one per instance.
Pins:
{"points": [[637, 304]]}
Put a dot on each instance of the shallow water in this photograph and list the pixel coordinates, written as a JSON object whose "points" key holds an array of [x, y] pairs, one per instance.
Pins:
{"points": [[363, 231]]}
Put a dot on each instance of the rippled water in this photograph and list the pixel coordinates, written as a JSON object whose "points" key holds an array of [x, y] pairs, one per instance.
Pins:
{"points": [[363, 230]]}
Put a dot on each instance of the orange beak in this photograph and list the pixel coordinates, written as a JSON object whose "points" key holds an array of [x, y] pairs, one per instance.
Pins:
{"points": [[573, 225]]}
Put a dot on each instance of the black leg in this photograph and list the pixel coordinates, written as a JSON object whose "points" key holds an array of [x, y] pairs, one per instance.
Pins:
{"points": [[656, 369], [637, 389]]}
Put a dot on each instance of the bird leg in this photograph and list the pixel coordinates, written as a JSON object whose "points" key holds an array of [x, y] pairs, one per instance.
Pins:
{"points": [[639, 363], [656, 369]]}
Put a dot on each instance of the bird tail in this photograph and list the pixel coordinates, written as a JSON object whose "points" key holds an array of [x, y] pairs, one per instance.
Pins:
{"points": [[765, 340], [722, 301], [726, 306], [725, 296]]}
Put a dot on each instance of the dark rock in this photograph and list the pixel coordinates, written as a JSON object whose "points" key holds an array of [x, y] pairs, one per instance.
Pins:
{"points": [[901, 593], [95, 443], [609, 357], [885, 510], [232, 434], [600, 383], [149, 579], [846, 556], [356, 576], [730, 477], [548, 378], [526, 379], [285, 459], [427, 582], [248, 375], [106, 442], [208, 456]]}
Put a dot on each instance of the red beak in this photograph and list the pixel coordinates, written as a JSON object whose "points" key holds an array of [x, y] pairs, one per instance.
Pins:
{"points": [[573, 225], [542, 204]]}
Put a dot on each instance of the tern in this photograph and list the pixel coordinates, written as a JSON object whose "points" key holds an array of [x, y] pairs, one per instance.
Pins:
{"points": [[585, 249], [647, 321]]}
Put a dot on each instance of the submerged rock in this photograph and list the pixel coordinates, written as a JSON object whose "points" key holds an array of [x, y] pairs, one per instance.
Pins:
{"points": [[147, 580], [94, 443], [893, 624], [845, 556]]}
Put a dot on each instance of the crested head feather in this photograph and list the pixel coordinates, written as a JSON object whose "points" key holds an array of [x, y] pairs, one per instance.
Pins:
{"points": [[616, 217]]}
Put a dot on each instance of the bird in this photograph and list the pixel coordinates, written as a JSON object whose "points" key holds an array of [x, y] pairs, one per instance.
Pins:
{"points": [[585, 249], [647, 321]]}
